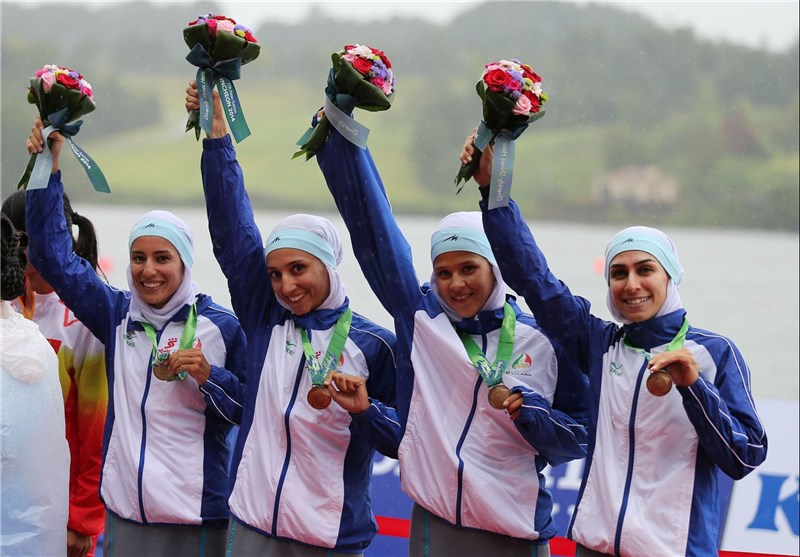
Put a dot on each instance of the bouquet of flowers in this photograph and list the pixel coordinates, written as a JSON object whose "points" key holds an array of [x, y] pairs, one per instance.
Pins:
{"points": [[360, 76], [512, 98], [219, 47], [62, 96]]}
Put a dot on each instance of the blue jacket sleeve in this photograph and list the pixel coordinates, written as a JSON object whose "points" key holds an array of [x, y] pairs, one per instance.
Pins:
{"points": [[381, 426], [564, 318], [94, 303], [235, 238], [724, 415], [555, 435], [224, 389], [378, 243]]}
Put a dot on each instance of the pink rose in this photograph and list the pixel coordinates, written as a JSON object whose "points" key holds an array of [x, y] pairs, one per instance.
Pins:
{"points": [[378, 82], [225, 25], [513, 85], [349, 57], [523, 106], [211, 25], [47, 81], [86, 89]]}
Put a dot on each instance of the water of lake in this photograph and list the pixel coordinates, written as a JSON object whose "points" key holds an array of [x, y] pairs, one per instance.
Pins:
{"points": [[742, 284]]}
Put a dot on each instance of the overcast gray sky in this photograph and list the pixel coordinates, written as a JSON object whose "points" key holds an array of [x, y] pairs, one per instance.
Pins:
{"points": [[768, 23]]}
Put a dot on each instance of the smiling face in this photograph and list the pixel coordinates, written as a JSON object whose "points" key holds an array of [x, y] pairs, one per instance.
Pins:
{"points": [[638, 285], [465, 281], [299, 279], [156, 268]]}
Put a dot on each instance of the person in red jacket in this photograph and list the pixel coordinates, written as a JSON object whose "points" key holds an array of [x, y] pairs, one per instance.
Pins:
{"points": [[82, 373]]}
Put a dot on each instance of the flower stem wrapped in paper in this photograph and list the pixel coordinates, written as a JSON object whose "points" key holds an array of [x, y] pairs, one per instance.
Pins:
{"points": [[361, 76], [219, 47], [512, 98], [62, 96]]}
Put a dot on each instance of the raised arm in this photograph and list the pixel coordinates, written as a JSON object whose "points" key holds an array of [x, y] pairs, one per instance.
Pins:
{"points": [[236, 240], [378, 243], [92, 301]]}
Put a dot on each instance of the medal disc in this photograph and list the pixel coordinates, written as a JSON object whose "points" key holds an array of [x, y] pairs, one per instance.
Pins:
{"points": [[498, 395], [162, 372], [659, 383], [318, 397]]}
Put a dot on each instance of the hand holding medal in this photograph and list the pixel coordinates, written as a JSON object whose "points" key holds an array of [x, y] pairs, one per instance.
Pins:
{"points": [[167, 368], [672, 366], [182, 363], [319, 397], [348, 391], [492, 374]]}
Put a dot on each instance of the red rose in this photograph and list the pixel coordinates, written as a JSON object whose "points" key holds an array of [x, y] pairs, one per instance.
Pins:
{"points": [[535, 105], [194, 22], [67, 81], [382, 56], [363, 65], [496, 79], [249, 38], [349, 47], [528, 72]]}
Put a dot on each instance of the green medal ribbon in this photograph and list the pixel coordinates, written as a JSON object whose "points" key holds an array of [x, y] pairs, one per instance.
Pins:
{"points": [[319, 370], [492, 374], [675, 344], [187, 340]]}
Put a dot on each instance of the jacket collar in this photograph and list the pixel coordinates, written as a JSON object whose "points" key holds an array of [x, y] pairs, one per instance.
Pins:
{"points": [[654, 332]]}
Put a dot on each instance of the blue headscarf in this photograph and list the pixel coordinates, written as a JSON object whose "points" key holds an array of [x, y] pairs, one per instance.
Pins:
{"points": [[660, 246]]}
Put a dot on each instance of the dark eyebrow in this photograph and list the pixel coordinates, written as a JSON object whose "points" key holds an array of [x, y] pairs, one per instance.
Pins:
{"points": [[649, 260]]}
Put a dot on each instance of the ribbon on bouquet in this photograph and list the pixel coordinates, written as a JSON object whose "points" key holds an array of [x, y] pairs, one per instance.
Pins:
{"points": [[37, 174], [503, 163], [351, 130], [222, 74]]}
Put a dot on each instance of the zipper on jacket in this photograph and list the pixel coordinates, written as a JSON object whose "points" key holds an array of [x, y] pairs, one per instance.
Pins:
{"points": [[631, 452], [464, 432], [140, 477], [287, 413]]}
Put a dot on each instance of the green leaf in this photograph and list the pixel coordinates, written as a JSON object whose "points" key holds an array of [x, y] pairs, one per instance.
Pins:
{"points": [[250, 52], [23, 182], [197, 34], [468, 170], [349, 80], [193, 123], [315, 141], [227, 46]]}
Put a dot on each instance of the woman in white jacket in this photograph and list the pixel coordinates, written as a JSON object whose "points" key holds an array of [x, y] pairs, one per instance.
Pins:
{"points": [[34, 456]]}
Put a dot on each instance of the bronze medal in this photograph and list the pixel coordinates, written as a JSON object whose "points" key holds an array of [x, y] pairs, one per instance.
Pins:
{"points": [[161, 371], [498, 395], [659, 383], [319, 397]]}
